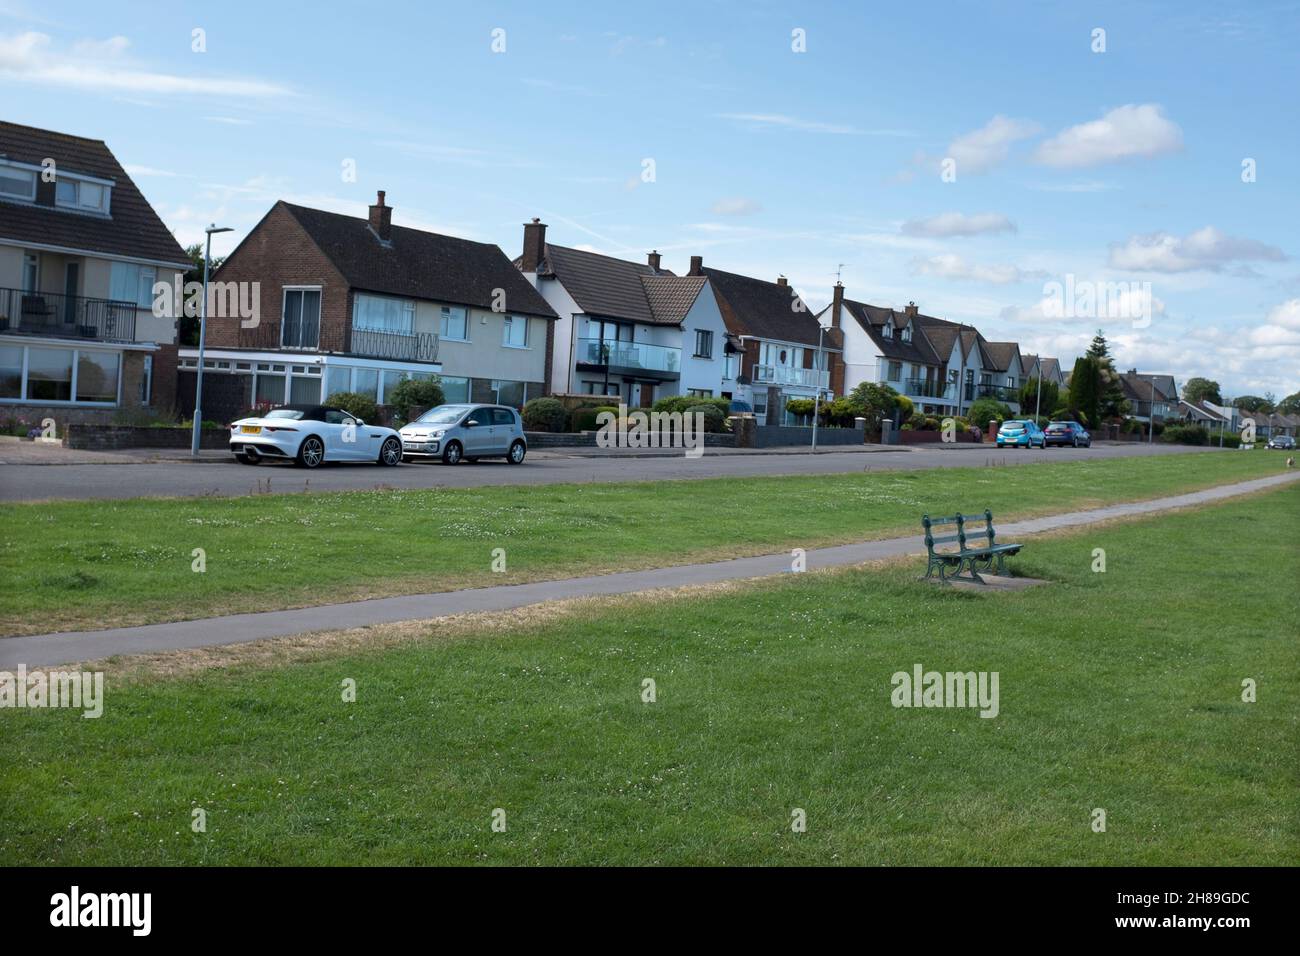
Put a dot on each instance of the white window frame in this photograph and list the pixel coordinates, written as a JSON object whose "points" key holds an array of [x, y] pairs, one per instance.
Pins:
{"points": [[76, 360], [19, 172], [507, 325], [887, 330], [284, 310], [444, 313], [77, 182]]}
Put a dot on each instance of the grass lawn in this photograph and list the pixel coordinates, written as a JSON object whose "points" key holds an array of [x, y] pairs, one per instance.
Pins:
{"points": [[84, 565], [1118, 690]]}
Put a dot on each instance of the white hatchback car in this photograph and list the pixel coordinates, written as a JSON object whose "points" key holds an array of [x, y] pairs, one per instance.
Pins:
{"points": [[311, 435], [457, 433]]}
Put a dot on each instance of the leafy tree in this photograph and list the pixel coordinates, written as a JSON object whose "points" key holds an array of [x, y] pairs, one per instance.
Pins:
{"points": [[413, 393], [1290, 405], [1029, 396], [187, 328], [1099, 349], [1086, 386], [1110, 390], [1253, 403], [984, 410], [874, 402], [1202, 390]]}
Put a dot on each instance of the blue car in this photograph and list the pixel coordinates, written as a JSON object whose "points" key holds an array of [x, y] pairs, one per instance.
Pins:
{"points": [[1021, 434], [1068, 433]]}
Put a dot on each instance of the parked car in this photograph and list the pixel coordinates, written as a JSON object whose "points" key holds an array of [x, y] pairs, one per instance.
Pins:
{"points": [[312, 435], [1021, 434], [458, 433], [1281, 441], [741, 408], [1066, 433]]}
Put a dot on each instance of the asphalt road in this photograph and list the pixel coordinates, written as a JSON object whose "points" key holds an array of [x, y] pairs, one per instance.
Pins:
{"points": [[35, 482]]}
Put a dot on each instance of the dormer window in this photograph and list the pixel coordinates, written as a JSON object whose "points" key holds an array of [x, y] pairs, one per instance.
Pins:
{"points": [[906, 334], [81, 194], [887, 330], [17, 183]]}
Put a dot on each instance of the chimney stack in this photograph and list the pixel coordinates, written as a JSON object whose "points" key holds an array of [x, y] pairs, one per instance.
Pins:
{"points": [[653, 260], [911, 310], [381, 218], [782, 281], [697, 266], [837, 305], [534, 245]]}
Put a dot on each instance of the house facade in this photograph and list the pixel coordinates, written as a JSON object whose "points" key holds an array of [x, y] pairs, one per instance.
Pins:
{"points": [[1151, 397], [358, 305], [633, 332], [81, 251], [780, 349]]}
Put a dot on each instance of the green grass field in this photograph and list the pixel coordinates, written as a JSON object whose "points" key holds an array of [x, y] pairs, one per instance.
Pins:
{"points": [[84, 565], [1118, 690]]}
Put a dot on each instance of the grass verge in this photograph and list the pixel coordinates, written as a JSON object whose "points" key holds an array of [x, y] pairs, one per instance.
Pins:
{"points": [[1119, 690], [87, 565]]}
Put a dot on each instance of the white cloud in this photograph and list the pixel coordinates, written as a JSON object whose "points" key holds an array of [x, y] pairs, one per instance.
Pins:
{"points": [[102, 66], [980, 150], [955, 268], [736, 206], [958, 224], [780, 121], [1206, 249], [1281, 328], [1123, 133]]}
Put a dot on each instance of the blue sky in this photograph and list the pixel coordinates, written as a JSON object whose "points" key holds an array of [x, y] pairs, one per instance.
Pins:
{"points": [[1115, 166]]}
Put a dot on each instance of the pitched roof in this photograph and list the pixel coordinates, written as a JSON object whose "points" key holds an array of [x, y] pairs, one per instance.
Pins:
{"points": [[1138, 387], [420, 265], [671, 297], [766, 310], [1165, 385], [1049, 367], [873, 319], [1000, 355], [602, 285], [1027, 363], [130, 229], [1199, 410]]}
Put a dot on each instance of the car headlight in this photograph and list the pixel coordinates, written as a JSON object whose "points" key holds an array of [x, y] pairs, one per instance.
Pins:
{"points": [[437, 434]]}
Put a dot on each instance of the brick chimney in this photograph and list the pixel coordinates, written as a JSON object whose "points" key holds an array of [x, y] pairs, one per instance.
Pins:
{"points": [[837, 305], [653, 260], [381, 218], [782, 281], [534, 245], [910, 310], [697, 266]]}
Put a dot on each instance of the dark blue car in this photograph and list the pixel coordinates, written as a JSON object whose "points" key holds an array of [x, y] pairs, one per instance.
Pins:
{"points": [[1066, 433]]}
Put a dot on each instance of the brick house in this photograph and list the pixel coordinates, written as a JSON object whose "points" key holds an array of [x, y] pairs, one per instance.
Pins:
{"points": [[357, 305], [81, 250]]}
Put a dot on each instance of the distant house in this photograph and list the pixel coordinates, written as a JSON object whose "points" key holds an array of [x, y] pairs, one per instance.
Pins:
{"points": [[1000, 373], [1150, 396], [1202, 413], [631, 331], [358, 305], [784, 352], [1042, 366], [81, 251]]}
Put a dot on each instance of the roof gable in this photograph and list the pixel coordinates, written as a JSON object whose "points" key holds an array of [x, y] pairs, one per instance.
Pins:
{"points": [[602, 285], [420, 265], [765, 310]]}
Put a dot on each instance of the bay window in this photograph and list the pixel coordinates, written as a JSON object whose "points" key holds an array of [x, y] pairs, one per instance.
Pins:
{"points": [[97, 376]]}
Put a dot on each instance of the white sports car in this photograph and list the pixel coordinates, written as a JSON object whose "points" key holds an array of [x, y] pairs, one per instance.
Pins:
{"points": [[311, 435]]}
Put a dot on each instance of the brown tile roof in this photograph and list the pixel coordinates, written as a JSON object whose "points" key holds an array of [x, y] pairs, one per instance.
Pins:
{"points": [[420, 265], [1001, 355], [873, 318], [601, 285], [131, 228], [764, 310], [671, 297]]}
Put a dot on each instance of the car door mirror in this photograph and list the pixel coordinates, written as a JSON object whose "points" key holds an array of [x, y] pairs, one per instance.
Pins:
{"points": [[471, 423]]}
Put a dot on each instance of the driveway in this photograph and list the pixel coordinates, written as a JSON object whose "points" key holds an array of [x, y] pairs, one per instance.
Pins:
{"points": [[127, 476]]}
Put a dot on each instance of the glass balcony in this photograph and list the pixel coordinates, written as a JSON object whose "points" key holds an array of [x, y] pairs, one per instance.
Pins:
{"points": [[929, 388], [787, 375], [632, 356]]}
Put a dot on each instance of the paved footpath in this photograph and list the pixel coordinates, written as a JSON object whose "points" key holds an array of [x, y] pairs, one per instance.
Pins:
{"points": [[46, 649]]}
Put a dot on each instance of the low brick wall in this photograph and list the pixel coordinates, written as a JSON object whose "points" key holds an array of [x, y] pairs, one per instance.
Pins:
{"points": [[588, 440], [777, 436], [113, 437], [909, 436]]}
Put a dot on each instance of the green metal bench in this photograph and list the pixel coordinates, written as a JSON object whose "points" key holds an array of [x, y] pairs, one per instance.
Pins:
{"points": [[971, 554]]}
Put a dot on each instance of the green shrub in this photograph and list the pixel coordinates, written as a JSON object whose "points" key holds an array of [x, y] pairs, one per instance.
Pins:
{"points": [[584, 419], [714, 420], [680, 403], [985, 410], [801, 407], [411, 393], [359, 406], [905, 407], [545, 415], [1186, 435]]}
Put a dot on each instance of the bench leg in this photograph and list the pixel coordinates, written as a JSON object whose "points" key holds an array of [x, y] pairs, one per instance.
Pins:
{"points": [[975, 575], [1002, 566]]}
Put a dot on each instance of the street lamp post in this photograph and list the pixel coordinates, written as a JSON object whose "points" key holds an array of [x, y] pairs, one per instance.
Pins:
{"points": [[203, 328], [817, 401], [1151, 419]]}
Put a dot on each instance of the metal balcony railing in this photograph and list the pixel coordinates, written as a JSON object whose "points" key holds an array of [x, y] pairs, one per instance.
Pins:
{"points": [[1000, 392], [397, 346], [66, 316], [787, 375]]}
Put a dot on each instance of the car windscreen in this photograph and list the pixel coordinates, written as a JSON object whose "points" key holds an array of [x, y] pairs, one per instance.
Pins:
{"points": [[442, 415], [293, 413]]}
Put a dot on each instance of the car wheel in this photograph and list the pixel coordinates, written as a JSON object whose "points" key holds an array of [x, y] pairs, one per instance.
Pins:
{"points": [[1076, 443], [451, 455], [311, 452], [391, 452], [517, 452]]}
